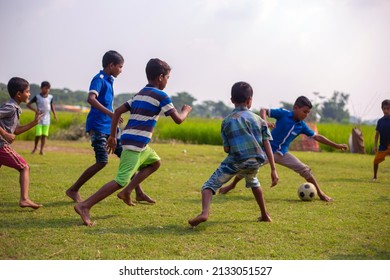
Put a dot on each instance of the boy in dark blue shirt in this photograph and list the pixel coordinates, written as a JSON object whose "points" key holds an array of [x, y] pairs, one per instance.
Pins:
{"points": [[383, 135]]}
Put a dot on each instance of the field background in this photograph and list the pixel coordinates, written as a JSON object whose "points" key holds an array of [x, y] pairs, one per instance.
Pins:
{"points": [[196, 130], [355, 226]]}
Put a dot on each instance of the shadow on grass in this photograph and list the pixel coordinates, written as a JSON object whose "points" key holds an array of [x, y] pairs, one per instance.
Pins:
{"points": [[40, 223]]}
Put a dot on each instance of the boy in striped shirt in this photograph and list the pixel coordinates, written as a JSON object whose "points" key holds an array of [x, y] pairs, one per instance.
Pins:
{"points": [[145, 108]]}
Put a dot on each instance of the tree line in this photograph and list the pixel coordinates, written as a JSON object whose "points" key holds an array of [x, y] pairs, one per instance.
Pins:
{"points": [[324, 110]]}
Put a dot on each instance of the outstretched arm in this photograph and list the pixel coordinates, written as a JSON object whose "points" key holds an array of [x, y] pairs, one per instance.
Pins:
{"points": [[180, 117], [23, 128], [322, 139], [270, 156]]}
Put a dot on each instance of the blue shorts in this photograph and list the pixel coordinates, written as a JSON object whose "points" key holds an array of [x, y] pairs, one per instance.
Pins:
{"points": [[247, 169], [98, 142]]}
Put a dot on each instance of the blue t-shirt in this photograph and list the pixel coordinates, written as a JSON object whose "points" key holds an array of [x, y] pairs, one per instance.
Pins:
{"points": [[102, 86], [383, 127], [244, 132], [145, 108], [286, 130]]}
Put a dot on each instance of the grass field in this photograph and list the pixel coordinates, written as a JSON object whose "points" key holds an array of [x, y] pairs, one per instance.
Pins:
{"points": [[355, 226]]}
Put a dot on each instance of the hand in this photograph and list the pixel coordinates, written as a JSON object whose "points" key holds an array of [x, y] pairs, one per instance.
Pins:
{"points": [[271, 125], [274, 177], [343, 147], [111, 145], [55, 118], [9, 137], [38, 116], [186, 108], [120, 120]]}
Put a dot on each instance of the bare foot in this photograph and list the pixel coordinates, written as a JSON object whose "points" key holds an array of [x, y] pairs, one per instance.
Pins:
{"points": [[29, 203], [226, 189], [126, 199], [144, 197], [74, 195], [197, 220], [264, 219], [84, 214], [33, 151], [41, 153], [324, 197]]}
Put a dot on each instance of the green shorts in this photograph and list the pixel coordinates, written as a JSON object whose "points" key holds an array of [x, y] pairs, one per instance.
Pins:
{"points": [[42, 130], [131, 161]]}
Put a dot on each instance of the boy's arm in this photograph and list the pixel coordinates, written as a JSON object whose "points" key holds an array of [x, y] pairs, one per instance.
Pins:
{"points": [[180, 117], [9, 137], [116, 118], [53, 109], [29, 105], [23, 128], [92, 100], [270, 156], [263, 114], [376, 141], [322, 139]]}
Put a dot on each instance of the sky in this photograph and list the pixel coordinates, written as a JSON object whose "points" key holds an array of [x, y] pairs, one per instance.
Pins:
{"points": [[283, 48]]}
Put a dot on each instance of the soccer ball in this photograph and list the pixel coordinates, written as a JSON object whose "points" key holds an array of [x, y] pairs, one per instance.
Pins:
{"points": [[307, 191]]}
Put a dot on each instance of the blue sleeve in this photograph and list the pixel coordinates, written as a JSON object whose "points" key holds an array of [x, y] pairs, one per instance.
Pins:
{"points": [[278, 113], [96, 85], [307, 130]]}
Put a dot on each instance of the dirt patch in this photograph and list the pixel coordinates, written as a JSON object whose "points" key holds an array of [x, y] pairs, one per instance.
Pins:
{"points": [[56, 146]]}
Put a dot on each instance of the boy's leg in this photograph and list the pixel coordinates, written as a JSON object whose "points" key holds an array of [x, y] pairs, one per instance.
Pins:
{"points": [[258, 194], [136, 181], [98, 142], [376, 165], [43, 142], [290, 161], [24, 180], [232, 185], [73, 191], [207, 196], [82, 208], [36, 141]]}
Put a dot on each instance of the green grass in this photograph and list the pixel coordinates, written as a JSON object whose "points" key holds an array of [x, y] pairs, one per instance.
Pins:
{"points": [[355, 226]]}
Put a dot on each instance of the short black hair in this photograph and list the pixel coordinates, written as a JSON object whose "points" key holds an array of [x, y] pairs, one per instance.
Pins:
{"points": [[15, 85], [155, 67], [45, 84], [112, 57], [303, 101], [241, 92], [385, 102]]}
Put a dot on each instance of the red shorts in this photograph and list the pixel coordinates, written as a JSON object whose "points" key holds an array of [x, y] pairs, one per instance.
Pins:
{"points": [[9, 157]]}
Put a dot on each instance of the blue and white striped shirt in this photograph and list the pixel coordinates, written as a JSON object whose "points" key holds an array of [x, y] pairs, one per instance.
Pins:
{"points": [[145, 108]]}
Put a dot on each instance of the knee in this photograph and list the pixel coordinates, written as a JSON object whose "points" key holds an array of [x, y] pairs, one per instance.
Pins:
{"points": [[306, 172], [156, 165]]}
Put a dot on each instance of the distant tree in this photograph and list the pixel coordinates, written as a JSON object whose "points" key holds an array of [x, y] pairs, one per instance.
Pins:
{"points": [[211, 109], [333, 110], [4, 96], [122, 98]]}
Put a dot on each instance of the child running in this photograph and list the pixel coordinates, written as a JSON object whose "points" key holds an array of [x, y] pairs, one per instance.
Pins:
{"points": [[19, 91], [145, 108], [244, 136], [98, 125]]}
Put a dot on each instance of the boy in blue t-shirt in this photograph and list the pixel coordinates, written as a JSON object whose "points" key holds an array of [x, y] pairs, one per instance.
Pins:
{"points": [[288, 126], [101, 96], [244, 136], [144, 108], [383, 135]]}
